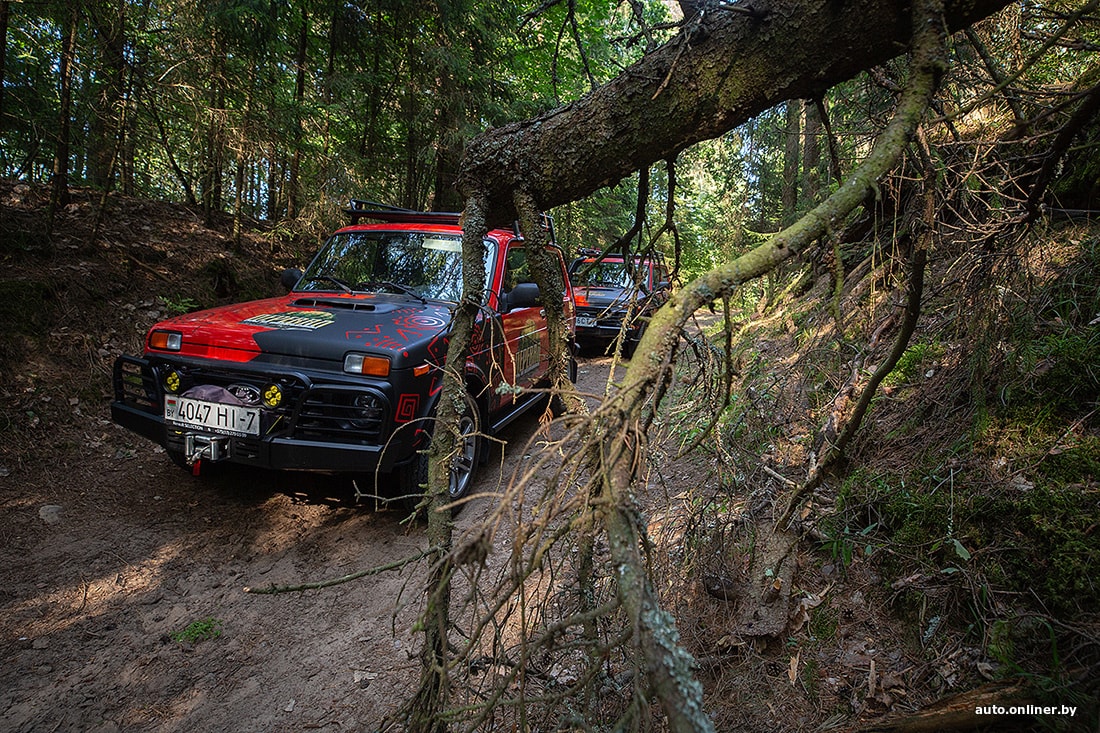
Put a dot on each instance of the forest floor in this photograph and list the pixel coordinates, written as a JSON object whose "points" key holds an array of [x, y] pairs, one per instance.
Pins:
{"points": [[116, 563]]}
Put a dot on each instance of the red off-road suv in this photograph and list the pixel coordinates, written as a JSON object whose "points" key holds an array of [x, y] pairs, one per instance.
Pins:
{"points": [[608, 290], [343, 373]]}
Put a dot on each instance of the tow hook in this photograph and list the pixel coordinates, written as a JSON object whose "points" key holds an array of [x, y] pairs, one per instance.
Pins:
{"points": [[211, 447]]}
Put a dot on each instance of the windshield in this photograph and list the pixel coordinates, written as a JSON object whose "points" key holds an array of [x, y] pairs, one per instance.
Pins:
{"points": [[418, 264], [611, 274]]}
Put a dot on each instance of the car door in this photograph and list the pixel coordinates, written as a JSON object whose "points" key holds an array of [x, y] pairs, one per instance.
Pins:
{"points": [[527, 342]]}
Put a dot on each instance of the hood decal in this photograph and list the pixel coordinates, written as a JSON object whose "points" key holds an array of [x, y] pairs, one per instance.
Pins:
{"points": [[309, 320], [420, 322]]}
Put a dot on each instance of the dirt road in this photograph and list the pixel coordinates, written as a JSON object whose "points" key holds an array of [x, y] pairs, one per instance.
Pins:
{"points": [[111, 552]]}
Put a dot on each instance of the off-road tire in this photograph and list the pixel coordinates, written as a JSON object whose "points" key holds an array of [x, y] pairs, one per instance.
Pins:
{"points": [[413, 477]]}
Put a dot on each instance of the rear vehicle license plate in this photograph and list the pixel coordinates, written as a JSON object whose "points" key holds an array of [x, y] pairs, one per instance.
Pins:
{"points": [[214, 417], [585, 322]]}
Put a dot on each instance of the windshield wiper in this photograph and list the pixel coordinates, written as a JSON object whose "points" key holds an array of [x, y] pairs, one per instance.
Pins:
{"points": [[395, 287], [329, 278]]}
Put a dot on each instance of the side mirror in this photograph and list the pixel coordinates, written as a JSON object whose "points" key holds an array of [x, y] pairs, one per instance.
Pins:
{"points": [[290, 277], [663, 285], [523, 295]]}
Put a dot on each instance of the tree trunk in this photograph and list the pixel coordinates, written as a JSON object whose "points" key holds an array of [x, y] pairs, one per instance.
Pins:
{"points": [[811, 152], [448, 153], [4, 15], [166, 143], [733, 66], [105, 130], [791, 162], [293, 195], [215, 128], [273, 181], [432, 694], [957, 712], [59, 193]]}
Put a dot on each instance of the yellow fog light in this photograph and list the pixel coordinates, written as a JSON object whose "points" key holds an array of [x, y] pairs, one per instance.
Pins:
{"points": [[172, 381], [273, 395]]}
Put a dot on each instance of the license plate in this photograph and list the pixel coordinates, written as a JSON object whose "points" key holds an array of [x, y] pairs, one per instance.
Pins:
{"points": [[214, 417], [586, 322]]}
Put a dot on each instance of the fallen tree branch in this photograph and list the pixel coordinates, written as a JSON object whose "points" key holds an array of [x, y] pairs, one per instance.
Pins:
{"points": [[836, 449], [668, 665], [378, 569], [958, 712], [918, 260]]}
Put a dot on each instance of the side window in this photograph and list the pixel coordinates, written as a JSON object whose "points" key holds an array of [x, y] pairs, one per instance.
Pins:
{"points": [[516, 270]]}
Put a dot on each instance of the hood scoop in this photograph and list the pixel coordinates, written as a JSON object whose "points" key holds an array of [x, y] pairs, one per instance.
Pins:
{"points": [[345, 304]]}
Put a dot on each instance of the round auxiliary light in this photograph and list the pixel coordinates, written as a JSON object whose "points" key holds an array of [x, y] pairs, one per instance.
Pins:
{"points": [[172, 381], [367, 412], [368, 402], [273, 395]]}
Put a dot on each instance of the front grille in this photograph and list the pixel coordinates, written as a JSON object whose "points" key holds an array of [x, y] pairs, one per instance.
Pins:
{"points": [[606, 317], [350, 414], [343, 414]]}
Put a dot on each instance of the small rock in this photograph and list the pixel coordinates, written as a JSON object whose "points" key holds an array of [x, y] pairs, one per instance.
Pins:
{"points": [[50, 513], [40, 643], [289, 706]]}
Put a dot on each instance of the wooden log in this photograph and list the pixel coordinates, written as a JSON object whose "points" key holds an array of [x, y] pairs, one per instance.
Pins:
{"points": [[961, 712]]}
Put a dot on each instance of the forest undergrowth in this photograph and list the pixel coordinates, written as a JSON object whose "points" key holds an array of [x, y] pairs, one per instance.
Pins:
{"points": [[965, 510]]}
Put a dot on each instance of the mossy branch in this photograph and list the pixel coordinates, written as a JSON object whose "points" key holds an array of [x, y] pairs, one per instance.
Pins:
{"points": [[668, 665]]}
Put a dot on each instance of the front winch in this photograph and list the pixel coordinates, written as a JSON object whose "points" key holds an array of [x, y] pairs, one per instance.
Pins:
{"points": [[210, 447]]}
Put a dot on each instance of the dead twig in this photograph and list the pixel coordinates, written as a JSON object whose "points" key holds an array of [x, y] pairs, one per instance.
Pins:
{"points": [[395, 565]]}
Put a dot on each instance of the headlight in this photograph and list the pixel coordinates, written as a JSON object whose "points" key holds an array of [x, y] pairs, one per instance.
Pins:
{"points": [[368, 407], [371, 366], [166, 340], [172, 381]]}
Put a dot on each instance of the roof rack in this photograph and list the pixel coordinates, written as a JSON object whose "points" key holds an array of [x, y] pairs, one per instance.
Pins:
{"points": [[359, 209]]}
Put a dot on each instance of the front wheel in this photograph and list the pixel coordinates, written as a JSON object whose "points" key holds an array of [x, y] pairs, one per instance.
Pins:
{"points": [[467, 453], [463, 463]]}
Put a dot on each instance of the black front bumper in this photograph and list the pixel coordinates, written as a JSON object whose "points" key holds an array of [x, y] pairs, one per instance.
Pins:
{"points": [[278, 453], [294, 437], [607, 328]]}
